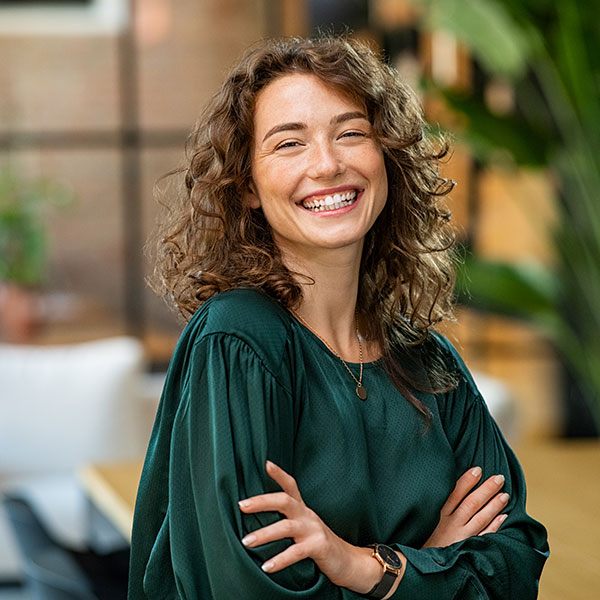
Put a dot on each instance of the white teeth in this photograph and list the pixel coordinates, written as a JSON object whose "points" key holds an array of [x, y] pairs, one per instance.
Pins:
{"points": [[331, 202]]}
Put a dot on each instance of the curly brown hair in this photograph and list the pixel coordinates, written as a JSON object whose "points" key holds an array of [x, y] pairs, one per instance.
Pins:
{"points": [[212, 241]]}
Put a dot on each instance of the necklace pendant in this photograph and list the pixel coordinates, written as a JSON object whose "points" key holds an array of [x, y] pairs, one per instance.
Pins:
{"points": [[361, 392]]}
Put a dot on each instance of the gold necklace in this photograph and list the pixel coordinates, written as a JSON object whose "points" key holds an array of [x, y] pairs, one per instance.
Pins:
{"points": [[361, 392]]}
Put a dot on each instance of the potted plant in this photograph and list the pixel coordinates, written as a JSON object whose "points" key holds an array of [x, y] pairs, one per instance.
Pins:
{"points": [[549, 55], [24, 206]]}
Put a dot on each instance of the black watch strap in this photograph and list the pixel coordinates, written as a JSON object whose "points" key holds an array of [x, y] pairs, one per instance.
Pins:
{"points": [[383, 587], [391, 564]]}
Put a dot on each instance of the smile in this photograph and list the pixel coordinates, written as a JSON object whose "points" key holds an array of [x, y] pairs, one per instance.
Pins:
{"points": [[332, 202]]}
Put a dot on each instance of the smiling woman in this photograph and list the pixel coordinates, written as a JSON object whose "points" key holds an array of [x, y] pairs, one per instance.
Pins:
{"points": [[316, 438], [309, 173]]}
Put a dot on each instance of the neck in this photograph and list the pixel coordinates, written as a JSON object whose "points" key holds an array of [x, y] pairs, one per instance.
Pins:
{"points": [[329, 305]]}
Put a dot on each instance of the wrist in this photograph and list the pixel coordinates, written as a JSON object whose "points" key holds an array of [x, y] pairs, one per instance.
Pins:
{"points": [[365, 571], [400, 575], [368, 572], [392, 566]]}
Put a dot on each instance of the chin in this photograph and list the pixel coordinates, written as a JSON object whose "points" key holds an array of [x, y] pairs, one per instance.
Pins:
{"points": [[338, 243]]}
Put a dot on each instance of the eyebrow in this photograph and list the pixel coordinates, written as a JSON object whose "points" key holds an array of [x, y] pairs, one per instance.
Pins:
{"points": [[348, 116]]}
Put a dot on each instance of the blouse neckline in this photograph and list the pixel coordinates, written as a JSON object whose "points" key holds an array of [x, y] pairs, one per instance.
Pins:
{"points": [[319, 342]]}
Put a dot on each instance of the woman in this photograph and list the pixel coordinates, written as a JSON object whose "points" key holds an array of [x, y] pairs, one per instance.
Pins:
{"points": [[309, 410]]}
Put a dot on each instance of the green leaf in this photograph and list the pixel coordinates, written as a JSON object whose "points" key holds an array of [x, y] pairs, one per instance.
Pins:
{"points": [[24, 205], [574, 65], [558, 46], [487, 28], [525, 291], [488, 133]]}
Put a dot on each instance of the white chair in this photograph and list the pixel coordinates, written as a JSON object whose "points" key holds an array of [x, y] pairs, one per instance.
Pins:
{"points": [[500, 403], [61, 406]]}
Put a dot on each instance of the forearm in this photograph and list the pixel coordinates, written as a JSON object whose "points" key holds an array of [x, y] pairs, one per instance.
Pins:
{"points": [[494, 566]]}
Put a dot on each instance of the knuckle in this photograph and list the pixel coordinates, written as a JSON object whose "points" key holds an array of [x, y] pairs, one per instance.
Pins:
{"points": [[312, 515], [453, 497], [495, 481], [470, 504], [458, 487], [478, 522], [286, 500], [463, 481], [299, 551], [498, 503], [288, 527], [320, 538], [288, 480]]}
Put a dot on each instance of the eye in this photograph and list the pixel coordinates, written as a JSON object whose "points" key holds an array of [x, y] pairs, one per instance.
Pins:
{"points": [[348, 134], [290, 144]]}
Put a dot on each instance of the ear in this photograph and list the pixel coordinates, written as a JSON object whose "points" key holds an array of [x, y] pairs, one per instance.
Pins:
{"points": [[251, 198]]}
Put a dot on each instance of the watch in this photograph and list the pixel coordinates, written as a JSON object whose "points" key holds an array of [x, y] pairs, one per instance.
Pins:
{"points": [[391, 564]]}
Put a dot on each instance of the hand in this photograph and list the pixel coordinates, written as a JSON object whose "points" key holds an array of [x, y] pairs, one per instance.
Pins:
{"points": [[344, 564], [465, 515]]}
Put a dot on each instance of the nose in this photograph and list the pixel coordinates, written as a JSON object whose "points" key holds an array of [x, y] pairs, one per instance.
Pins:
{"points": [[325, 162]]}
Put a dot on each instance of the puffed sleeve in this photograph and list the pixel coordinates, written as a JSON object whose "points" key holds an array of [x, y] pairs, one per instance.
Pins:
{"points": [[235, 413], [505, 565]]}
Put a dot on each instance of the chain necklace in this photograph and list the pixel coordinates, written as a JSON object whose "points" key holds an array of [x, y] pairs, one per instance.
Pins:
{"points": [[361, 392]]}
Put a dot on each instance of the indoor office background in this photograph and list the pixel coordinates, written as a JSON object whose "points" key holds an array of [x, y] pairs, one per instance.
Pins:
{"points": [[97, 99]]}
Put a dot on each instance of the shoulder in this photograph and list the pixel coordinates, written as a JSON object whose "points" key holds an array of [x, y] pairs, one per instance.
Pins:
{"points": [[451, 359], [461, 400], [245, 312], [244, 315], [436, 364]]}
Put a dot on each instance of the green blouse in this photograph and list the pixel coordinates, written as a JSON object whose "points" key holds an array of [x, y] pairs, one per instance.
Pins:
{"points": [[247, 383]]}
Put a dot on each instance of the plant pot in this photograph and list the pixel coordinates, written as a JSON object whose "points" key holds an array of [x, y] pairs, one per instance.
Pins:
{"points": [[19, 314]]}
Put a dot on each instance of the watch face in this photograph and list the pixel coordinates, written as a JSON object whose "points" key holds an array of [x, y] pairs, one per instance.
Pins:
{"points": [[389, 556]]}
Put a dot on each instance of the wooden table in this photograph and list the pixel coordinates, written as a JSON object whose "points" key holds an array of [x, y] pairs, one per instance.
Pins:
{"points": [[563, 481], [112, 487]]}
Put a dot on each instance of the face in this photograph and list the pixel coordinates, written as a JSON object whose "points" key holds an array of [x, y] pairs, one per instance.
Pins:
{"points": [[317, 171]]}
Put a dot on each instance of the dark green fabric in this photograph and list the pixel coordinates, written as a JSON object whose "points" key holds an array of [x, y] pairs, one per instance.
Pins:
{"points": [[248, 383]]}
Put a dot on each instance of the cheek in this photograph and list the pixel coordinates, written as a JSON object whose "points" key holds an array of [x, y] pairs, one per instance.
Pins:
{"points": [[384, 185], [370, 160], [378, 175], [275, 180]]}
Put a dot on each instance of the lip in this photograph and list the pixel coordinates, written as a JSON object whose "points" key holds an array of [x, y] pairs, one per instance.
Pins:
{"points": [[337, 211]]}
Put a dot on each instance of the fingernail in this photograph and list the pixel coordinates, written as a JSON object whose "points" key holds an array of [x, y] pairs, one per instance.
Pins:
{"points": [[248, 539], [504, 497], [244, 503], [270, 464], [476, 472], [268, 566], [502, 518], [499, 479]]}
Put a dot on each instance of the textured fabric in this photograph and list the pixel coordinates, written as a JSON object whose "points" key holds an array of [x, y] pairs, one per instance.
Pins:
{"points": [[248, 383]]}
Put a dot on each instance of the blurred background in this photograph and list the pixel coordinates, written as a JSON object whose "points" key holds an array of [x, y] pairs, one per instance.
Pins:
{"points": [[97, 99]]}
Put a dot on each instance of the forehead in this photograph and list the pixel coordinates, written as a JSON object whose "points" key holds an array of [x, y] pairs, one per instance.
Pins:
{"points": [[300, 97]]}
